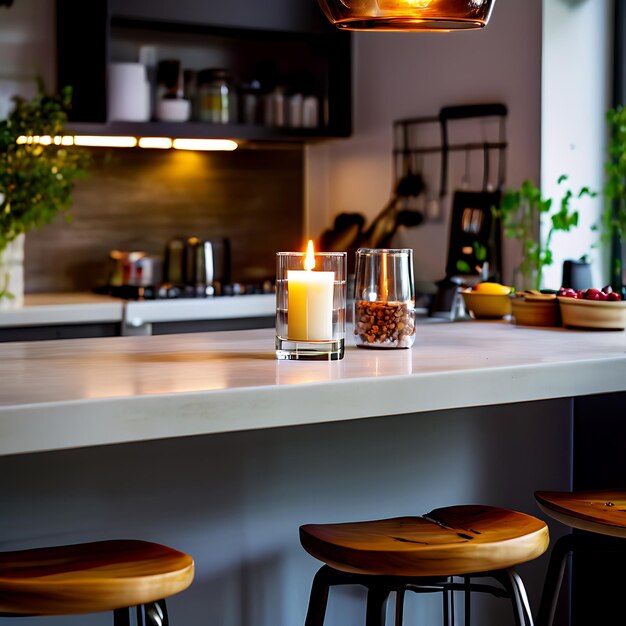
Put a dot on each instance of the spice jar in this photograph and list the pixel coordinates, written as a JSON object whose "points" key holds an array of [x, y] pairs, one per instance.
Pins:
{"points": [[214, 96], [384, 306]]}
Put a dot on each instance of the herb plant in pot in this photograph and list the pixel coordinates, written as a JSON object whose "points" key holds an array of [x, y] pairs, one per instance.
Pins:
{"points": [[520, 212], [37, 174]]}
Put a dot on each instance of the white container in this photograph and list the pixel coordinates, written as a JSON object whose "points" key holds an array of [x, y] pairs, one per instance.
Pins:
{"points": [[294, 110], [170, 110], [12, 274], [310, 112], [128, 93]]}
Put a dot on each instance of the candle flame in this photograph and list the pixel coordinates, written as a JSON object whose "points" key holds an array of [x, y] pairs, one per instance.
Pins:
{"points": [[309, 259]]}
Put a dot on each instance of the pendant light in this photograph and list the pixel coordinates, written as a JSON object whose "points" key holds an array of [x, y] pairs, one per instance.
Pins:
{"points": [[408, 15]]}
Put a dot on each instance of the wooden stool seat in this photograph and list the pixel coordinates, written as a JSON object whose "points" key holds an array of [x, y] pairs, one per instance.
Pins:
{"points": [[90, 577], [602, 512], [450, 541]]}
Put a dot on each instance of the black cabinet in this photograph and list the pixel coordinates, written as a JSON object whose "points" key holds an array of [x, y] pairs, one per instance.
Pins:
{"points": [[284, 43]]}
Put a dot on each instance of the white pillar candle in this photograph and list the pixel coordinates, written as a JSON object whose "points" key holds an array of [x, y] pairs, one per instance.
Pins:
{"points": [[310, 305], [310, 302]]}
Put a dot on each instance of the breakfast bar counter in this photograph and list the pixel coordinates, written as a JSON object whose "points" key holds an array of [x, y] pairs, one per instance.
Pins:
{"points": [[70, 394], [222, 451]]}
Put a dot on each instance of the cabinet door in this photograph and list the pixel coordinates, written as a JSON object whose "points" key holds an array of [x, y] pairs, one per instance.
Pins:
{"points": [[82, 38], [87, 38], [289, 15]]}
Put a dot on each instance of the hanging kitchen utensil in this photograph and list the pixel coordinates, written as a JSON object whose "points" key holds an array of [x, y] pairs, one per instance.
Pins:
{"points": [[343, 235], [465, 181], [385, 223], [486, 167]]}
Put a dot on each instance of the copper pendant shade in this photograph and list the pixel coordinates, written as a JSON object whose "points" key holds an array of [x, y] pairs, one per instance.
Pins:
{"points": [[408, 15]]}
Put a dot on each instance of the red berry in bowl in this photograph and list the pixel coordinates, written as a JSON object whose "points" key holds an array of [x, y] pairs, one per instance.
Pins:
{"points": [[613, 297], [593, 294], [566, 292]]}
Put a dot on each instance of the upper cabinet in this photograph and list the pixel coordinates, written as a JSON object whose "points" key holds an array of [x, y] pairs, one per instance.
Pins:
{"points": [[239, 69]]}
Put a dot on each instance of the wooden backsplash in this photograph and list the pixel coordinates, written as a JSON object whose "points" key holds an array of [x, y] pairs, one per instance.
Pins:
{"points": [[140, 199]]}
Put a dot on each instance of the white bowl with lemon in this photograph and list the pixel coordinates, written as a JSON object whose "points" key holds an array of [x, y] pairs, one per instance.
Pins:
{"points": [[488, 300]]}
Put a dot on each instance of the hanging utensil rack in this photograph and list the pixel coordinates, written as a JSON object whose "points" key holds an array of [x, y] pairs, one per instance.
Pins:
{"points": [[407, 147]]}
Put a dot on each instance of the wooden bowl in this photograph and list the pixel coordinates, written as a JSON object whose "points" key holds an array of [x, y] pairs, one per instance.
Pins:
{"points": [[486, 305], [536, 312], [593, 313]]}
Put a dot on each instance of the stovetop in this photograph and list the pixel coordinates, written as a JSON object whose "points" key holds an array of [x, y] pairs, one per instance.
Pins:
{"points": [[169, 291]]}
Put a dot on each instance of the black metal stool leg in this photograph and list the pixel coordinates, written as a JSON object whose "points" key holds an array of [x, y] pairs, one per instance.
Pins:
{"points": [[121, 617], [376, 605], [522, 595], [554, 579], [318, 599], [468, 601], [400, 606], [514, 586], [503, 577], [448, 606], [140, 619], [156, 613]]}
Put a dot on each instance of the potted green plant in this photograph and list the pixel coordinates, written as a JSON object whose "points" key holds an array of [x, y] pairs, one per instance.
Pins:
{"points": [[520, 212], [37, 174]]}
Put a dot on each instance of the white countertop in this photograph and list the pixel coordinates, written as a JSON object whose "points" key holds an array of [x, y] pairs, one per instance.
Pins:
{"points": [[65, 394], [86, 308], [41, 309]]}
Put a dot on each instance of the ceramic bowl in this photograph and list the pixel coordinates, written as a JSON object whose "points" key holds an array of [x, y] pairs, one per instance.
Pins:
{"points": [[593, 314], [544, 312], [486, 305]]}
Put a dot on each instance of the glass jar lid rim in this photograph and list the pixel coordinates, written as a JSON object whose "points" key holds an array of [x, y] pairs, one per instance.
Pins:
{"points": [[338, 254], [390, 251]]}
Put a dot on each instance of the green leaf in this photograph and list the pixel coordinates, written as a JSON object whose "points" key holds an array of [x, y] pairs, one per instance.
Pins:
{"points": [[37, 180], [463, 267], [480, 252]]}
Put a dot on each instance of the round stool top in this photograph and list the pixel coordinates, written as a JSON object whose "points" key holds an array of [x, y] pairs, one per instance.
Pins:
{"points": [[90, 577], [449, 541], [602, 512]]}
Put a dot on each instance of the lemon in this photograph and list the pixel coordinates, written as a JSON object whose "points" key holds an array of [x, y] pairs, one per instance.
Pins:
{"points": [[494, 289]]}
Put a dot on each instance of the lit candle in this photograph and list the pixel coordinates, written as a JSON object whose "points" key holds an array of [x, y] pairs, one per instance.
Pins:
{"points": [[310, 302]]}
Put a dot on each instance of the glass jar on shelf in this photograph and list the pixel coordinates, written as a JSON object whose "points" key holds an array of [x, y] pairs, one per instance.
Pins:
{"points": [[214, 96]]}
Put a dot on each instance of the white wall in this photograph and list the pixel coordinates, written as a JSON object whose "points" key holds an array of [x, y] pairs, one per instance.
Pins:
{"points": [[414, 74], [576, 94], [26, 49]]}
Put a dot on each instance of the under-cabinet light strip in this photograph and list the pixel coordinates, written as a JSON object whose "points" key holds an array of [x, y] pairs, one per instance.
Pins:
{"points": [[103, 141], [161, 143], [205, 144]]}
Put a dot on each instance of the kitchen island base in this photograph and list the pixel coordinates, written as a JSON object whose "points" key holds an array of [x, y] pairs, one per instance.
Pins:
{"points": [[235, 501]]}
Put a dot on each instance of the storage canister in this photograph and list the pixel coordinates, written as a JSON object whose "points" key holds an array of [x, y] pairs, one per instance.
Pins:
{"points": [[214, 95]]}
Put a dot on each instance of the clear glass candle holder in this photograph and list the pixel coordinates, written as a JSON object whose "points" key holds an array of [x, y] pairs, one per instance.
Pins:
{"points": [[384, 298], [311, 306]]}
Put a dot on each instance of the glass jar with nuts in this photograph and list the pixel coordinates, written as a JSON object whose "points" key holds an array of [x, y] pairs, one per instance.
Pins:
{"points": [[384, 307]]}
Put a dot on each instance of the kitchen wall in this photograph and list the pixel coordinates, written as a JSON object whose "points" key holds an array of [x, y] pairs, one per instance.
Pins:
{"points": [[411, 75], [140, 199], [26, 47], [577, 47], [405, 75]]}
